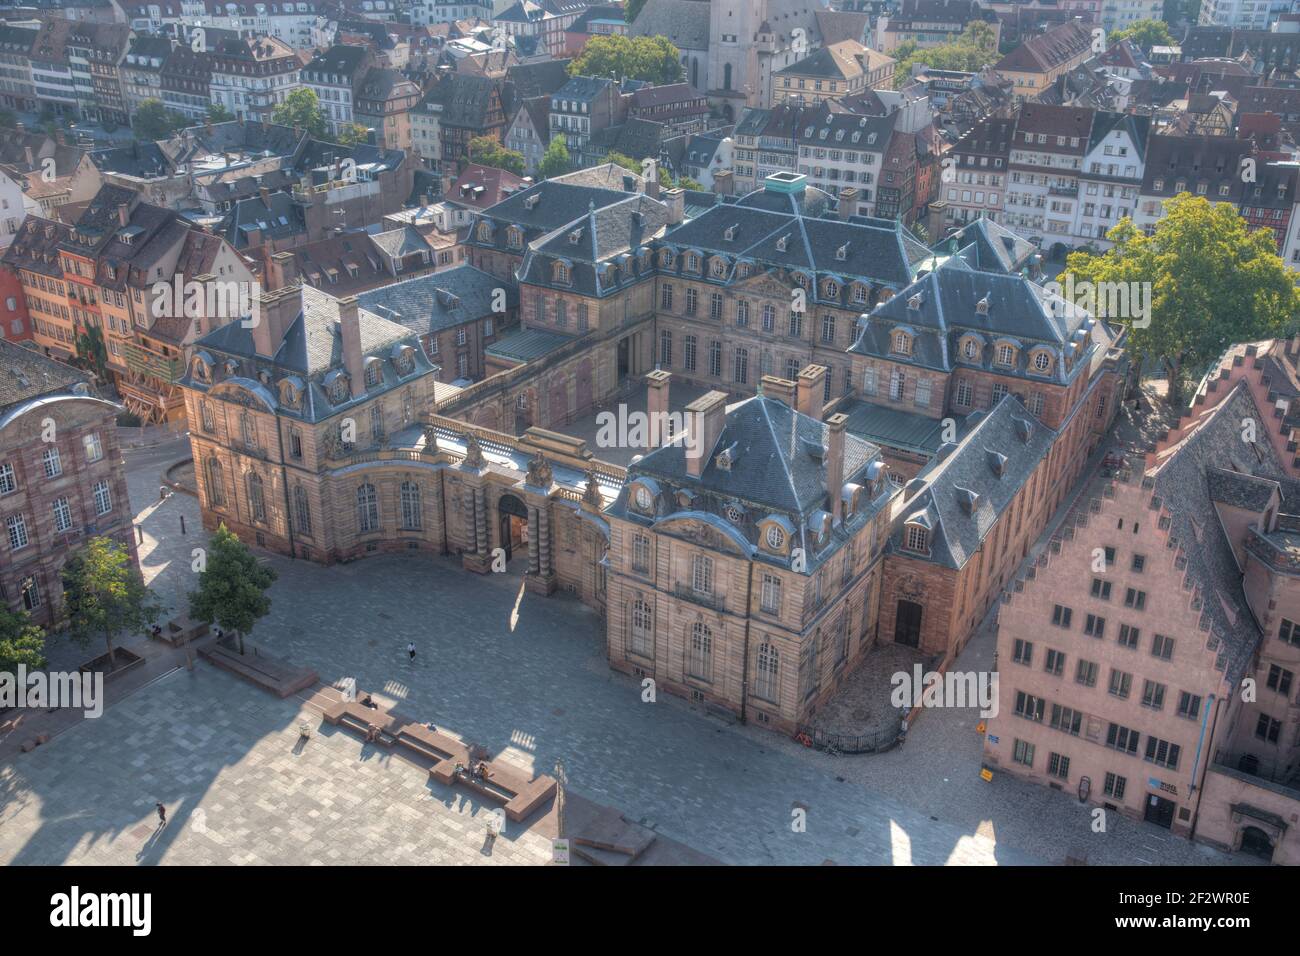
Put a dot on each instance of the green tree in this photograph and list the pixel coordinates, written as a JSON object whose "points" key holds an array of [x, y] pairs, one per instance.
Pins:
{"points": [[620, 159], [970, 52], [352, 133], [1145, 34], [91, 351], [685, 182], [1211, 281], [232, 586], [21, 642], [153, 121], [301, 110], [654, 59], [105, 594], [555, 161], [219, 114], [488, 151]]}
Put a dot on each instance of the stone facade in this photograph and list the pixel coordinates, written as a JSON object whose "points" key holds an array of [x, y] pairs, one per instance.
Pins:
{"points": [[61, 479]]}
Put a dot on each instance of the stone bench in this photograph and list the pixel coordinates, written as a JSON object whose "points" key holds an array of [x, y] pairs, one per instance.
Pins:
{"points": [[502, 783]]}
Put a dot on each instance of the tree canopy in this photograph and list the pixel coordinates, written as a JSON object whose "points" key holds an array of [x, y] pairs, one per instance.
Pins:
{"points": [[555, 161], [351, 133], [632, 10], [219, 114], [1212, 282], [21, 641], [1145, 34], [232, 586], [654, 59], [974, 49], [488, 151], [105, 594], [153, 121], [301, 109]]}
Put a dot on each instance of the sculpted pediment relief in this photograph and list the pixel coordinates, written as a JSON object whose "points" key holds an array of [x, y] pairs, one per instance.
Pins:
{"points": [[700, 532]]}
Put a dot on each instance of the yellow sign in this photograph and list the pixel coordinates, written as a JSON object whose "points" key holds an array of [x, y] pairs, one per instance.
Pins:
{"points": [[986, 775]]}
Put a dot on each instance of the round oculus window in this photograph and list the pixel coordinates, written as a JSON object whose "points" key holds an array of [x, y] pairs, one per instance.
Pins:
{"points": [[734, 515], [643, 498], [775, 538]]}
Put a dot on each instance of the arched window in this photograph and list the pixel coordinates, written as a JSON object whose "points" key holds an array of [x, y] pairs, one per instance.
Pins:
{"points": [[412, 516], [372, 374], [765, 684], [1006, 355], [484, 232], [902, 343], [216, 484], [701, 658], [367, 509], [726, 76], [206, 419], [642, 629], [301, 511], [248, 429], [256, 500], [896, 382]]}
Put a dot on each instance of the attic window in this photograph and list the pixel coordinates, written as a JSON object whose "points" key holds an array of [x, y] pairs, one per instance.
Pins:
{"points": [[575, 237], [902, 343], [532, 200], [730, 233], [719, 268], [970, 349], [1006, 355], [561, 272], [1042, 361], [514, 237], [914, 302], [782, 243], [917, 539], [982, 306], [842, 252], [997, 462]]}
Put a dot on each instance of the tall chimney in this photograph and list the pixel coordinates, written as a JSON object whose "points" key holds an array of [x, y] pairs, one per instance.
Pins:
{"points": [[656, 404], [780, 389], [284, 270], [676, 200], [848, 203], [124, 214], [266, 196], [811, 390], [835, 462], [350, 329], [705, 418], [274, 311]]}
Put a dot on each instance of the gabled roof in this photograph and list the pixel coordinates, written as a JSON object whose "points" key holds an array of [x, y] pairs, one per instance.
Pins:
{"points": [[989, 247], [26, 374], [1048, 51]]}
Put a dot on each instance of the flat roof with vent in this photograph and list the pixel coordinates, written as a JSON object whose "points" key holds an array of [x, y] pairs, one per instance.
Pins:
{"points": [[785, 182]]}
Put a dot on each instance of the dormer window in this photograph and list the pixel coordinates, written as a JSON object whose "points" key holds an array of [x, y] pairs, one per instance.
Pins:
{"points": [[831, 289], [902, 343], [917, 539], [914, 302], [842, 252], [642, 498], [666, 259], [372, 374], [982, 306], [693, 262], [515, 237], [719, 268], [1006, 355], [339, 390], [1042, 362], [860, 293], [775, 538], [970, 350], [561, 273], [484, 232]]}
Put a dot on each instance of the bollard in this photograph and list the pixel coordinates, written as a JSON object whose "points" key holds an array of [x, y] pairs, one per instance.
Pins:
{"points": [[182, 524]]}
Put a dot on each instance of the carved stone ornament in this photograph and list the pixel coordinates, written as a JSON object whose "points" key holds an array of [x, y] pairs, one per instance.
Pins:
{"points": [[592, 495], [473, 453], [539, 472]]}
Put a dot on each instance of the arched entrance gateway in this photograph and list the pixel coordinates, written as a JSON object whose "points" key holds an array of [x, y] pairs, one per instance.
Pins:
{"points": [[1257, 843], [513, 523]]}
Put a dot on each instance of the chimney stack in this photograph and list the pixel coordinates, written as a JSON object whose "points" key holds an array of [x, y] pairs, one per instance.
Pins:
{"points": [[656, 404], [811, 390], [353, 358], [284, 270], [780, 389], [676, 201], [273, 312], [266, 196], [124, 214], [705, 418], [835, 463], [30, 156], [848, 203]]}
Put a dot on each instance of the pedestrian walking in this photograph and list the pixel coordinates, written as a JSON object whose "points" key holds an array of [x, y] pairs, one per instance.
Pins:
{"points": [[410, 650], [162, 815]]}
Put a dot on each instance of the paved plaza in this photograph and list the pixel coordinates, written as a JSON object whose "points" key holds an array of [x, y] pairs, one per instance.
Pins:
{"points": [[515, 672]]}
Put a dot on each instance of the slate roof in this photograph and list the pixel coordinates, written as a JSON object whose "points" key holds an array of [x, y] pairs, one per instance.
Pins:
{"points": [[281, 218], [1240, 490], [1049, 50], [311, 349], [942, 307], [1194, 160], [538, 79], [896, 428], [1185, 491], [987, 246], [26, 374], [684, 22], [527, 344], [442, 300], [967, 487], [874, 250], [778, 469]]}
